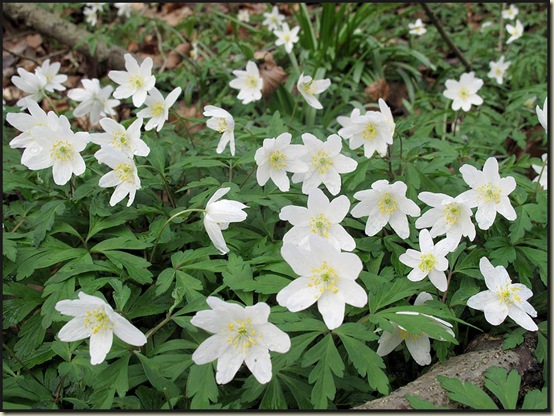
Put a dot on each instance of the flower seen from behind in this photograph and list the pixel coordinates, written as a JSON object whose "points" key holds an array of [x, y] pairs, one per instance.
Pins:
{"points": [[464, 92], [503, 298], [123, 175], [385, 204], [277, 157], [515, 31], [308, 87], [511, 12], [273, 20], [542, 115], [33, 84], [240, 335], [498, 69], [489, 193], [322, 218], [157, 108], [542, 172], [327, 277], [417, 28], [119, 138], [94, 100], [94, 318], [217, 216], [248, 82], [136, 81], [287, 36], [222, 122], [325, 164]]}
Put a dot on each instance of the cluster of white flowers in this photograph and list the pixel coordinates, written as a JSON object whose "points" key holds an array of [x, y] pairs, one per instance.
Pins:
{"points": [[91, 9], [285, 35], [417, 28], [44, 79]]}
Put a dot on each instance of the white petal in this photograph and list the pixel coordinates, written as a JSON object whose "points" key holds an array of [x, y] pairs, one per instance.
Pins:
{"points": [[481, 299], [258, 362], [352, 292], [420, 349], [521, 318], [388, 342], [100, 344], [298, 259], [227, 365], [399, 223], [211, 349], [331, 307], [485, 215], [298, 296], [74, 330], [495, 312], [338, 209], [216, 236], [273, 338], [127, 332], [438, 279], [258, 313]]}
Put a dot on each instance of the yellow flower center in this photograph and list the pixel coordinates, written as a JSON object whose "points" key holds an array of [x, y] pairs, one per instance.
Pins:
{"points": [[498, 71], [464, 93], [97, 321], [286, 37], [308, 87], [320, 225], [369, 132], [242, 334], [136, 81], [321, 161], [278, 160], [125, 172], [452, 213], [120, 140], [509, 294], [405, 335], [221, 124], [324, 278], [427, 262], [251, 81], [62, 151], [489, 193], [387, 204], [157, 109]]}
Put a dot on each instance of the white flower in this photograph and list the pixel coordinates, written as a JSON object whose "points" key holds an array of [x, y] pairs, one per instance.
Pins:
{"points": [[243, 15], [95, 100], [373, 130], [348, 121], [274, 19], [326, 277], [239, 335], [50, 72], [90, 16], [94, 318], [510, 13], [325, 163], [136, 81], [248, 82], [384, 204], [277, 157], [498, 69], [31, 83], [58, 148], [542, 115], [286, 36], [418, 345], [116, 137], [485, 25], [124, 9], [514, 31], [157, 108], [194, 51], [25, 122], [417, 28], [219, 214], [430, 261], [464, 92], [322, 218], [542, 171], [222, 122], [530, 102], [123, 174], [450, 216], [489, 193], [308, 87], [96, 7], [503, 298]]}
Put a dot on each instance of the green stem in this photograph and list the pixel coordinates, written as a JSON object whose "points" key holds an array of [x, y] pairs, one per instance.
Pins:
{"points": [[181, 120], [166, 184], [447, 285], [250, 174], [18, 224], [538, 182], [245, 128], [294, 62], [23, 365]]}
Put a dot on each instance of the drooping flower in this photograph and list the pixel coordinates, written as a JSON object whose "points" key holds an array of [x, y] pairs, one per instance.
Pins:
{"points": [[542, 115], [308, 87], [274, 19], [117, 137], [515, 31], [489, 193], [326, 277], [124, 9], [277, 157], [218, 215], [50, 72], [385, 204], [25, 122], [243, 15], [503, 298], [94, 318], [157, 108], [287, 36], [322, 218], [542, 172], [498, 69], [31, 83], [450, 216], [464, 92], [418, 345], [325, 164], [123, 175], [222, 122], [511, 12], [95, 100], [373, 130], [136, 81], [58, 148], [417, 28], [430, 261], [239, 335], [248, 82]]}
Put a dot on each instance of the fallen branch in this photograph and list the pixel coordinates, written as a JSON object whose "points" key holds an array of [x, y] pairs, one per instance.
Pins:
{"points": [[485, 352], [65, 32]]}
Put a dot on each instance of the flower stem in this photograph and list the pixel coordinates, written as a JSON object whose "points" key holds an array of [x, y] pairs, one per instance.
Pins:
{"points": [[294, 62], [538, 182], [447, 285], [166, 184], [250, 174]]}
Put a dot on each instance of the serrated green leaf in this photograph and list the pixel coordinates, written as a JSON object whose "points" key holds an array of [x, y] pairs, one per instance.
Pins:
{"points": [[536, 400], [418, 403], [273, 397], [201, 386], [503, 385], [156, 378], [466, 393]]}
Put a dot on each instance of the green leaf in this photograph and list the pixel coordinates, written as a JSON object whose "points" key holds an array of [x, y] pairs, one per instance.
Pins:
{"points": [[536, 399], [136, 266], [521, 224], [503, 385], [121, 293], [45, 219], [116, 375], [156, 378], [513, 339], [125, 243], [201, 386], [466, 393], [418, 403], [31, 334], [273, 397]]}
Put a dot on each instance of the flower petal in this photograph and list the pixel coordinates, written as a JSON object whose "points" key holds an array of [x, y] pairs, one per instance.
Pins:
{"points": [[259, 363], [388, 342], [211, 349], [420, 349], [100, 344], [331, 307], [273, 338], [227, 365], [74, 330], [127, 332]]}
